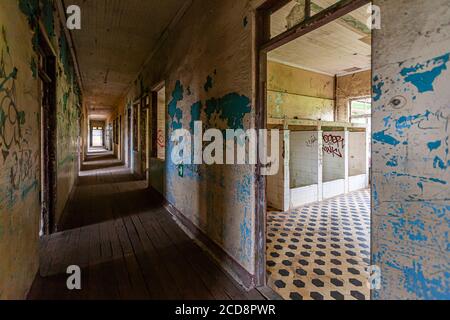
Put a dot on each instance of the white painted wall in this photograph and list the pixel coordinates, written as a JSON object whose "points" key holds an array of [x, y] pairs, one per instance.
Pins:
{"points": [[278, 185], [333, 165], [304, 159], [357, 153]]}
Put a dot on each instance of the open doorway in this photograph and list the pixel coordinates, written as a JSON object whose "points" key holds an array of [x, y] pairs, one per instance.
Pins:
{"points": [[158, 138], [97, 137], [47, 89], [315, 86]]}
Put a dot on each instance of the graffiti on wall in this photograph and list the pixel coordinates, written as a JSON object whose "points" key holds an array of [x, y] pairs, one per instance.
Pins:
{"points": [[311, 142], [333, 145], [17, 157]]}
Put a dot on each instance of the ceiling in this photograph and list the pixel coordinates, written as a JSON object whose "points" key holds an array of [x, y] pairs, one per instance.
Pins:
{"points": [[115, 39], [340, 47]]}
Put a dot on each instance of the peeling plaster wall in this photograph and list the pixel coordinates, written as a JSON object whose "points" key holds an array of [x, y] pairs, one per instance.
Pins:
{"points": [[356, 85], [69, 106], [206, 63], [411, 212], [289, 88], [20, 154], [20, 140]]}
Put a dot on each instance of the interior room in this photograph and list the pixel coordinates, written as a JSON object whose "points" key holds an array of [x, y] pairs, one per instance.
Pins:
{"points": [[93, 95], [319, 94]]}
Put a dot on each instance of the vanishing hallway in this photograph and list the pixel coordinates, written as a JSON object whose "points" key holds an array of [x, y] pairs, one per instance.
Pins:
{"points": [[127, 245]]}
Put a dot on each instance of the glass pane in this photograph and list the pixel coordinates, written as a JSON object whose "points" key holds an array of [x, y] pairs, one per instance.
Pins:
{"points": [[361, 107]]}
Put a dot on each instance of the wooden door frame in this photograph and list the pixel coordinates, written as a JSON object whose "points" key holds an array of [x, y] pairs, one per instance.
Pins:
{"points": [[154, 117], [263, 44], [130, 136], [48, 144]]}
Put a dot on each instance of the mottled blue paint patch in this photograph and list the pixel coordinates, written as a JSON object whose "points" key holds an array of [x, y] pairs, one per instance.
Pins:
{"points": [[377, 90], [175, 113], [385, 138], [245, 237], [232, 108], [243, 189], [47, 17], [439, 163], [30, 8], [422, 179], [420, 185], [424, 80], [427, 288], [393, 162], [196, 110], [434, 145], [405, 122]]}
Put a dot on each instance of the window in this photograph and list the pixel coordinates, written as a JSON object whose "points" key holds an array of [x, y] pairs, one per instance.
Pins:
{"points": [[361, 111], [97, 137]]}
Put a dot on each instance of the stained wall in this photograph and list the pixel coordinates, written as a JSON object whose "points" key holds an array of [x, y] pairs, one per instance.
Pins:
{"points": [[355, 85], [410, 188], [20, 138], [290, 87], [206, 63]]}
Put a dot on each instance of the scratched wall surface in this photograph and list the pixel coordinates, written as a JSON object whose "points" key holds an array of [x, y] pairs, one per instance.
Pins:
{"points": [[19, 159], [411, 212], [206, 63], [68, 124], [20, 139]]}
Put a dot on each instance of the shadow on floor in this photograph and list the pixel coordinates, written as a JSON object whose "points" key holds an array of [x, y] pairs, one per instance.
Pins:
{"points": [[127, 246]]}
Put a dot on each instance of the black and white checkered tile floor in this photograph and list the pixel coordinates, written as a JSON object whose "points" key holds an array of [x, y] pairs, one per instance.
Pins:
{"points": [[322, 250]]}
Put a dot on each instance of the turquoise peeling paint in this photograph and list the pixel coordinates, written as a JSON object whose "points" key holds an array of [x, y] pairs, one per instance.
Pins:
{"points": [[47, 17], [385, 138], [243, 189], [196, 110], [30, 8], [175, 113], [434, 145], [424, 81], [423, 179], [231, 108], [439, 163], [246, 237], [393, 162], [377, 90]]}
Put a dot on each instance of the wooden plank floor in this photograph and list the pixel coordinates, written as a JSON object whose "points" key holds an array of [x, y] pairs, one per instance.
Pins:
{"points": [[127, 245]]}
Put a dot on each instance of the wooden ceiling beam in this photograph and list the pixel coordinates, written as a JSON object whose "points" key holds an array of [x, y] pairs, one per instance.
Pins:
{"points": [[328, 15]]}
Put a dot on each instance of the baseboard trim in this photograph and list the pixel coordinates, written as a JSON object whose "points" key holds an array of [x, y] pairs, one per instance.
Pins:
{"points": [[225, 261]]}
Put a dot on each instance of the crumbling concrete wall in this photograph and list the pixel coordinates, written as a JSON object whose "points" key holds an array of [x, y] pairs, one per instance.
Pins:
{"points": [[20, 139], [411, 212]]}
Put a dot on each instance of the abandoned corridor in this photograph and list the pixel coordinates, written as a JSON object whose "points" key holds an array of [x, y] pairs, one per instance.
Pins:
{"points": [[127, 245]]}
